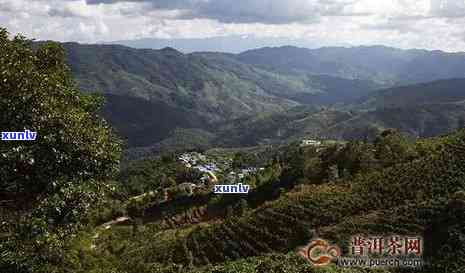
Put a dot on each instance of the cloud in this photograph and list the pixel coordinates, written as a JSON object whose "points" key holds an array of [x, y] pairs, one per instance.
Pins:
{"points": [[65, 12], [448, 8], [431, 24], [401, 26], [251, 11], [156, 4]]}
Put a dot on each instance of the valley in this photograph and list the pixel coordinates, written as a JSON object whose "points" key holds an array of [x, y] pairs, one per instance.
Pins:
{"points": [[267, 96]]}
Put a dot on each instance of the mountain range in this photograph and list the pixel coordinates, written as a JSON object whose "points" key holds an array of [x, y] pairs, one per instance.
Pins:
{"points": [[228, 44], [389, 66], [271, 94]]}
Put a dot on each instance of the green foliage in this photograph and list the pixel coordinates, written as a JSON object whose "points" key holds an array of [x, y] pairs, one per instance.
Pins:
{"points": [[41, 236], [37, 94], [143, 176], [276, 263], [393, 148], [356, 157], [242, 207], [242, 160], [446, 237], [56, 180]]}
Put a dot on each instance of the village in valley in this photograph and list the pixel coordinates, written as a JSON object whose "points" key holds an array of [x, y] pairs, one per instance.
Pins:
{"points": [[209, 170], [216, 169], [212, 169]]}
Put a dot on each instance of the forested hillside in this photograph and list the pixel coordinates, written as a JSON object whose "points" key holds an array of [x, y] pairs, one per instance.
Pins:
{"points": [[163, 98], [451, 91], [385, 65], [214, 85], [390, 186], [204, 88]]}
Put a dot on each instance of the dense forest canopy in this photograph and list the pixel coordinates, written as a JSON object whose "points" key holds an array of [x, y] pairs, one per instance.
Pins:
{"points": [[49, 184]]}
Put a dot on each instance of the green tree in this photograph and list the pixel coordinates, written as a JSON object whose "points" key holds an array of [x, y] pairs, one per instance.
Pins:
{"points": [[243, 206], [392, 147], [239, 160], [356, 157], [38, 94], [54, 180]]}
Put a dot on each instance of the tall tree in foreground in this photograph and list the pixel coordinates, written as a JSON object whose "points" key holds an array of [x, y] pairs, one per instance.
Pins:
{"points": [[47, 185]]}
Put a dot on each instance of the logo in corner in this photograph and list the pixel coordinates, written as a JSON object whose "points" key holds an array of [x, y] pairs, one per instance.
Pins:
{"points": [[320, 252]]}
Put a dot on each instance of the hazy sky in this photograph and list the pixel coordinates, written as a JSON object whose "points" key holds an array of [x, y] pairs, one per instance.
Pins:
{"points": [[431, 24]]}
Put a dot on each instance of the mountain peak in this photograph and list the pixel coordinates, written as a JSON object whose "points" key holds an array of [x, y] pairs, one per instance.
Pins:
{"points": [[171, 50]]}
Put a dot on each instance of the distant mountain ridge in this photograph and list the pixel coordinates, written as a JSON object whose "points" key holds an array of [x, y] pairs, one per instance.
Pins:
{"points": [[183, 81], [264, 95], [213, 87], [436, 92], [385, 65], [419, 110], [227, 44]]}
